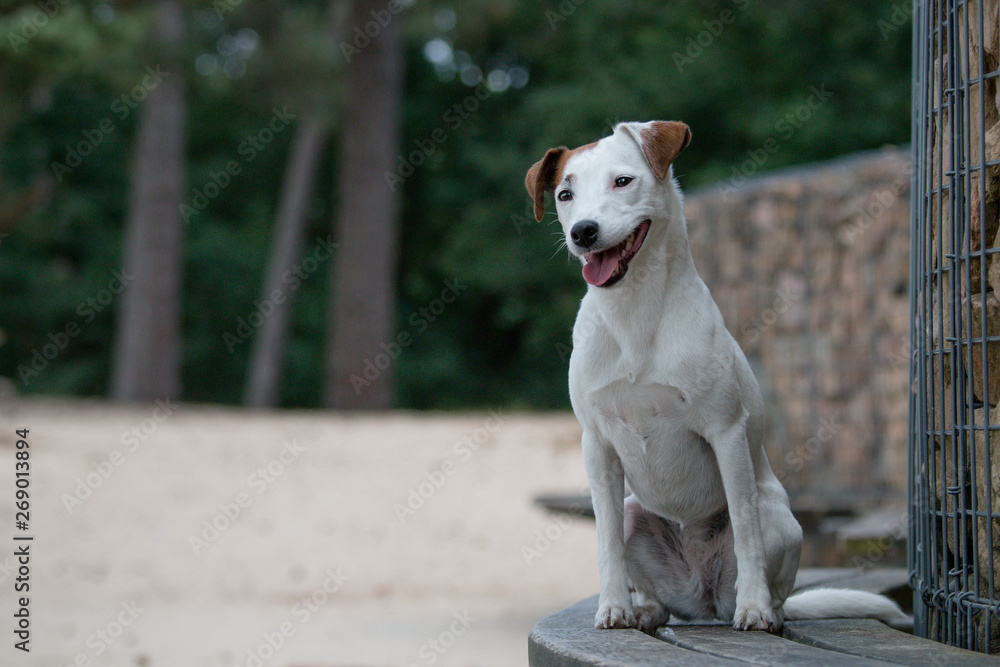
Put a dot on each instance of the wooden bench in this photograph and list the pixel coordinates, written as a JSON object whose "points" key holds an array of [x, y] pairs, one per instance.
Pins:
{"points": [[568, 638]]}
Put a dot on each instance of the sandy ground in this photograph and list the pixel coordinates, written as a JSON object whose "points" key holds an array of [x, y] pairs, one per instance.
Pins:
{"points": [[185, 535]]}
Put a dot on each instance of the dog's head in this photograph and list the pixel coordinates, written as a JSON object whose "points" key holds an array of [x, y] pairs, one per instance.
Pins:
{"points": [[609, 193]]}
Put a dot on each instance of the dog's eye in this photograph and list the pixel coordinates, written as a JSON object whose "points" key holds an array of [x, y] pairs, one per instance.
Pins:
{"points": [[564, 195], [622, 181]]}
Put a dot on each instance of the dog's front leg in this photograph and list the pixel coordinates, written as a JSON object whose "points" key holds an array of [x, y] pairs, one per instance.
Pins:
{"points": [[607, 488], [753, 598]]}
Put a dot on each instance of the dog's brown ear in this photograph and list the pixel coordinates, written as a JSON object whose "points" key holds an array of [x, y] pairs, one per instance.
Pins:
{"points": [[541, 178], [662, 141]]}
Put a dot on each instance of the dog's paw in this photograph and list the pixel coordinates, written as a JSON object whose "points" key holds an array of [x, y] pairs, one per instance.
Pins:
{"points": [[756, 618], [614, 616], [649, 617]]}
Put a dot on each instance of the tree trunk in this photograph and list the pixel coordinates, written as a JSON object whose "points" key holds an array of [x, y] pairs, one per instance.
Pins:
{"points": [[364, 278], [147, 361], [296, 191]]}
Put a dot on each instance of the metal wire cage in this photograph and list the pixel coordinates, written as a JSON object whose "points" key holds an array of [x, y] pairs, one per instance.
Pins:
{"points": [[954, 476]]}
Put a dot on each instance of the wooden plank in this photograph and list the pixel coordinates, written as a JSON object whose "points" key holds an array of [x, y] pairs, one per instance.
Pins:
{"points": [[883, 525], [568, 639], [869, 638], [577, 505], [759, 648]]}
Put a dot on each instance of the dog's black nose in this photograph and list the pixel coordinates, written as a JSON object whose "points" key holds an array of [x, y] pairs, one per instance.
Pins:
{"points": [[584, 233]]}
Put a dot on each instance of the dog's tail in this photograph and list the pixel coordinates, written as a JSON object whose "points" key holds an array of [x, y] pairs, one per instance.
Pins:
{"points": [[843, 603]]}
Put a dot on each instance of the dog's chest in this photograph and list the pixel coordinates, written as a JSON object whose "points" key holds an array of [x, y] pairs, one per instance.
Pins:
{"points": [[635, 400], [651, 386], [652, 413], [649, 426]]}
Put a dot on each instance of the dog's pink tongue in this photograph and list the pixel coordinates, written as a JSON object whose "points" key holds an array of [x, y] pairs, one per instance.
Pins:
{"points": [[600, 266]]}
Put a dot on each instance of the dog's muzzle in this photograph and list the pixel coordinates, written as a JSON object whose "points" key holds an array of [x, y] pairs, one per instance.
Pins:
{"points": [[604, 268]]}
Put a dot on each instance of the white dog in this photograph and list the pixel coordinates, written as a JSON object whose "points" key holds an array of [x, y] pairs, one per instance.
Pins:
{"points": [[668, 402]]}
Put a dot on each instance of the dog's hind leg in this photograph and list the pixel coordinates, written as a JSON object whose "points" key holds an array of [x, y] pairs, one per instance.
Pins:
{"points": [[651, 548], [688, 572]]}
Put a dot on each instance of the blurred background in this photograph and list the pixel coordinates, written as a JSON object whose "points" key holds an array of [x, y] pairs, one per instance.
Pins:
{"points": [[311, 113], [319, 207]]}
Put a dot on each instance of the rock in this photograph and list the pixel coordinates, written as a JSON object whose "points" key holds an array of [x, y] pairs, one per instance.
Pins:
{"points": [[973, 480], [993, 273], [973, 330]]}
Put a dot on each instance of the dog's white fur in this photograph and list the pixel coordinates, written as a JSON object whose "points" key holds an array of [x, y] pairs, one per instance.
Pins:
{"points": [[669, 403]]}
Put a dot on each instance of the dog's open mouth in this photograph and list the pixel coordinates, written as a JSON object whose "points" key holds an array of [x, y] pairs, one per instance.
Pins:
{"points": [[605, 268]]}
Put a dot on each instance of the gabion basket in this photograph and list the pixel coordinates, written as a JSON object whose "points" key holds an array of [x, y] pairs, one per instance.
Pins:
{"points": [[954, 476]]}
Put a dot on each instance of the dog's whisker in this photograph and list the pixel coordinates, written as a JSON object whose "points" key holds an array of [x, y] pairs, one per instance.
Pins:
{"points": [[560, 245]]}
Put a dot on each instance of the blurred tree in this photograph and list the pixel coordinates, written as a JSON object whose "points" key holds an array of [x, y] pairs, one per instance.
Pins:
{"points": [[148, 339], [270, 341], [363, 284]]}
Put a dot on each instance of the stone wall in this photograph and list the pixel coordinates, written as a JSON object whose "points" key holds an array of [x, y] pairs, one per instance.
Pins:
{"points": [[810, 268]]}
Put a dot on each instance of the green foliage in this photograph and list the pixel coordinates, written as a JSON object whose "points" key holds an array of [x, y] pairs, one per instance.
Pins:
{"points": [[506, 341], [734, 70]]}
